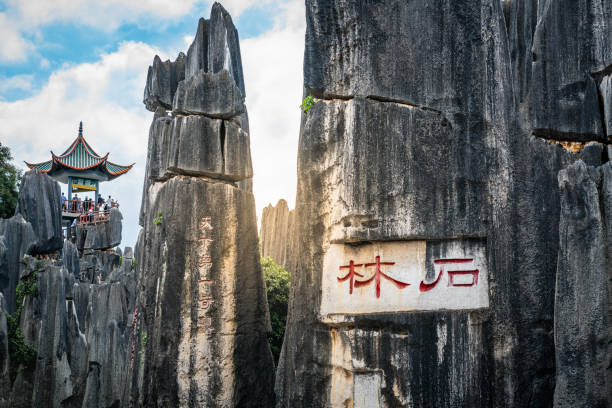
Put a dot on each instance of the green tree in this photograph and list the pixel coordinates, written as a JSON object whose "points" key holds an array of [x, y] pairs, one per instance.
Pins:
{"points": [[9, 183], [277, 285]]}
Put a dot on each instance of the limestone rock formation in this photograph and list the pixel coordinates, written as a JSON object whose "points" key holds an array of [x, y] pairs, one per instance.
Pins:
{"points": [[210, 94], [103, 235], [39, 204], [66, 325], [583, 298], [425, 184], [571, 52], [202, 304], [4, 354], [276, 233], [162, 79], [17, 238], [82, 334]]}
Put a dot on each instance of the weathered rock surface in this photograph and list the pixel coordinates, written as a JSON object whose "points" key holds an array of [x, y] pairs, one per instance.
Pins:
{"points": [[571, 47], [423, 132], [209, 94], [560, 55], [83, 337], [202, 299], [212, 62], [583, 298], [216, 47], [104, 235], [231, 326], [162, 80], [276, 233], [17, 238], [39, 204], [70, 258], [4, 355]]}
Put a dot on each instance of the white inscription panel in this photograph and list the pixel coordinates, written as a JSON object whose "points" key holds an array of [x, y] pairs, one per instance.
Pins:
{"points": [[405, 276]]}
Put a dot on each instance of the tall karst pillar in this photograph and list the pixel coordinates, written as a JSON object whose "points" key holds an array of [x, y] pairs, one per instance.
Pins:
{"points": [[403, 178], [203, 314]]}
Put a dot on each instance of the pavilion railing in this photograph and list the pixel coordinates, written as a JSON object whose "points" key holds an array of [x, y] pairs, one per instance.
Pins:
{"points": [[94, 217], [83, 207]]}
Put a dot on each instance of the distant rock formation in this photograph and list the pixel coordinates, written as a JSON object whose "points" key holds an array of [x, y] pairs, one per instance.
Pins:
{"points": [[203, 303], [427, 182], [276, 233], [75, 313]]}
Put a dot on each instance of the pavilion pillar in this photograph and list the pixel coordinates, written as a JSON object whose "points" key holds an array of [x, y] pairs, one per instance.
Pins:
{"points": [[69, 188], [97, 192]]}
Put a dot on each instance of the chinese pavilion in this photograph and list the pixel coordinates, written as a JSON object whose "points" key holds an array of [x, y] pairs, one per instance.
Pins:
{"points": [[80, 167]]}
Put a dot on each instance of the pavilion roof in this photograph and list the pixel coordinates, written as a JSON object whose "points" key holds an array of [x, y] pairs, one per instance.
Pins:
{"points": [[80, 156]]}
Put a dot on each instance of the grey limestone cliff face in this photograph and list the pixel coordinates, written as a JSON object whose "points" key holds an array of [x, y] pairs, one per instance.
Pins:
{"points": [[17, 238], [4, 353], [83, 338], [561, 61], [100, 236], [202, 303], [583, 298], [75, 314], [276, 233], [424, 141], [39, 204]]}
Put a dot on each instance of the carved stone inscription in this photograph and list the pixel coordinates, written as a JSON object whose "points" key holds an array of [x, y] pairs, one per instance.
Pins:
{"points": [[205, 299], [405, 276]]}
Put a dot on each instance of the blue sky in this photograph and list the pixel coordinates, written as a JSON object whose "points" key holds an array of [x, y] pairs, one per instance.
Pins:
{"points": [[70, 60]]}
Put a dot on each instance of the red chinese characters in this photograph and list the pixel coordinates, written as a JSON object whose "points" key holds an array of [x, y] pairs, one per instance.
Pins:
{"points": [[378, 273], [205, 284], [453, 273]]}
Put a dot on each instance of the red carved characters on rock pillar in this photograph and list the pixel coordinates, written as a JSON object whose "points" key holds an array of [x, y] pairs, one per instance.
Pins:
{"points": [[350, 275], [205, 300], [424, 287], [378, 273]]}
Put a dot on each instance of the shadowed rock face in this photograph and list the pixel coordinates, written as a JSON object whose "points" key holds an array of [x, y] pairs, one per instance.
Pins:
{"points": [[39, 204], [561, 65], [17, 238], [83, 337], [100, 236], [202, 300], [276, 233], [423, 132], [583, 298]]}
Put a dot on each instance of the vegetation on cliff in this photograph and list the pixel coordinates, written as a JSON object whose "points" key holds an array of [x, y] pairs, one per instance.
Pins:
{"points": [[277, 286], [9, 183]]}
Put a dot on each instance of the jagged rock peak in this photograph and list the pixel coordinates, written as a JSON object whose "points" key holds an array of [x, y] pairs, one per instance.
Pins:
{"points": [[162, 80], [215, 48]]}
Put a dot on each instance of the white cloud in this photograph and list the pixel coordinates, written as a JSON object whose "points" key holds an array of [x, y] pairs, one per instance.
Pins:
{"points": [[272, 65], [23, 82], [107, 97], [107, 14], [24, 18], [188, 39], [13, 47], [237, 7]]}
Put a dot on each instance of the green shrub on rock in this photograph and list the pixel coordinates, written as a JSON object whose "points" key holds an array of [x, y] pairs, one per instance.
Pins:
{"points": [[277, 286]]}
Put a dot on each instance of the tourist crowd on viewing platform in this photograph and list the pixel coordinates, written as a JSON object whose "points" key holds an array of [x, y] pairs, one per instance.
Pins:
{"points": [[87, 205], [90, 211]]}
